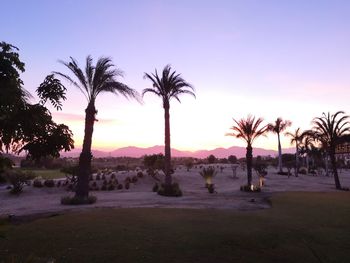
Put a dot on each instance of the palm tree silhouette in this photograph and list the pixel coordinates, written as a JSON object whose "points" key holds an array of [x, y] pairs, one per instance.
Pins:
{"points": [[94, 81], [329, 130], [167, 86], [248, 129], [296, 138], [277, 127]]}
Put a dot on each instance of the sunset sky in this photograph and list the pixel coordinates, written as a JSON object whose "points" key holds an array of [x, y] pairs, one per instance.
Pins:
{"points": [[288, 59]]}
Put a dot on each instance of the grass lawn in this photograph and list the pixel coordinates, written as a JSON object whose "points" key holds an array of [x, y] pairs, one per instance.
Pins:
{"points": [[300, 227], [46, 173]]}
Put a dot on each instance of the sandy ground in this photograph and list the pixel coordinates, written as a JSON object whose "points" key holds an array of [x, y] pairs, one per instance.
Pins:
{"points": [[47, 200]]}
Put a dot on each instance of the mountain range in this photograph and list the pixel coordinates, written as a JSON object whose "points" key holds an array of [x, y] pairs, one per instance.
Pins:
{"points": [[133, 151]]}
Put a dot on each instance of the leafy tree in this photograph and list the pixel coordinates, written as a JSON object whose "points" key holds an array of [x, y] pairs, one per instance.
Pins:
{"points": [[168, 86], [154, 161], [211, 159], [232, 159], [22, 124], [249, 130], [52, 89], [296, 138], [329, 130], [97, 79], [277, 127]]}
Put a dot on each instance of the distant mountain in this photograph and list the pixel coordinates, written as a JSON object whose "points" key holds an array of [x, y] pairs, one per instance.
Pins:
{"points": [[132, 151]]}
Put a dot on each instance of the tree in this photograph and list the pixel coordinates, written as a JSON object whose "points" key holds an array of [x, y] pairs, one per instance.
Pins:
{"points": [[296, 138], [277, 127], [211, 159], [248, 129], [168, 86], [22, 124], [95, 80], [306, 146], [329, 130], [232, 159]]}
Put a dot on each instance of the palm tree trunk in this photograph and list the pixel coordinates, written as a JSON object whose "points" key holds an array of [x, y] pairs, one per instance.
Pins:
{"points": [[279, 154], [84, 170], [249, 157], [307, 162], [168, 178], [334, 168], [296, 161]]}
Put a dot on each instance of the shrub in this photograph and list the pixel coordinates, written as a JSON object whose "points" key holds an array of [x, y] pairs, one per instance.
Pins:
{"points": [[110, 187], [140, 174], [250, 188], [303, 170], [58, 184], [170, 190], [127, 185], [74, 200], [38, 183], [49, 183], [98, 177], [155, 187], [17, 179], [211, 188], [127, 180], [208, 174], [94, 184], [134, 179], [120, 186], [282, 173], [113, 176], [104, 187]]}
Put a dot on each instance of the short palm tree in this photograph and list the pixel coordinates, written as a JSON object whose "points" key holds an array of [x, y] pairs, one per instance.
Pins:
{"points": [[95, 80], [277, 127], [248, 129], [329, 130], [167, 86], [296, 138], [307, 144]]}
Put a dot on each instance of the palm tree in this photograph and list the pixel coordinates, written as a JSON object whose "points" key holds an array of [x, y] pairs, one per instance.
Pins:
{"points": [[167, 86], [248, 129], [296, 138], [307, 143], [95, 80], [329, 130], [278, 127]]}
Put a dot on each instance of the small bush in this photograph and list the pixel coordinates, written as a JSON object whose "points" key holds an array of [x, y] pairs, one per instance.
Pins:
{"points": [[303, 170], [282, 173], [155, 187], [120, 186], [104, 187], [127, 180], [17, 179], [74, 200], [208, 174], [58, 184], [250, 188], [110, 187], [170, 190], [134, 179], [127, 185], [98, 177], [211, 188], [37, 183], [139, 174], [49, 183]]}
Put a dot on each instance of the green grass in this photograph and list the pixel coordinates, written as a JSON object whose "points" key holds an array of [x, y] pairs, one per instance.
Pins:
{"points": [[46, 173], [300, 227]]}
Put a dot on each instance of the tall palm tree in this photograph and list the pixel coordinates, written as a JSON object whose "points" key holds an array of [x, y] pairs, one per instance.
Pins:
{"points": [[167, 86], [277, 127], [330, 129], [296, 138], [95, 80], [248, 129]]}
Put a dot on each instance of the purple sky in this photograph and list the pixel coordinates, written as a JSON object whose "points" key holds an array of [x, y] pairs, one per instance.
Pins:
{"points": [[266, 58]]}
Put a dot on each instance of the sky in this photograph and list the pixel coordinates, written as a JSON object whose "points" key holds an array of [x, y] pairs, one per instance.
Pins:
{"points": [[288, 59]]}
